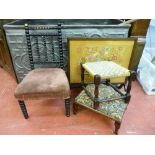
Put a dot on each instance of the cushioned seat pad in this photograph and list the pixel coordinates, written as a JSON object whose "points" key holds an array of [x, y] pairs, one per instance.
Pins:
{"points": [[113, 109], [44, 83]]}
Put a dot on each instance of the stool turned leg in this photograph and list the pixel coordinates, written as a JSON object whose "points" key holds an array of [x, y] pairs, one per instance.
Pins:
{"points": [[130, 79], [117, 126], [67, 106], [82, 73], [23, 108], [107, 82], [75, 108], [97, 80]]}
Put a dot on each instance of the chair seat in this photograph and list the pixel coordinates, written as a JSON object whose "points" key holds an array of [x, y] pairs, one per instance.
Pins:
{"points": [[113, 109], [44, 83], [106, 69]]}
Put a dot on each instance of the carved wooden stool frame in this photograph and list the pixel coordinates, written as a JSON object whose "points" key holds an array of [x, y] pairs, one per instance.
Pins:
{"points": [[96, 100]]}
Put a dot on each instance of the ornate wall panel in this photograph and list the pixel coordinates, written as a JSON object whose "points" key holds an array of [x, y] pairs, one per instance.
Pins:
{"points": [[17, 41]]}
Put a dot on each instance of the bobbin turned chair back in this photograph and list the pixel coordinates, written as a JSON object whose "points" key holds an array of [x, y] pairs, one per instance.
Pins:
{"points": [[44, 48], [47, 78]]}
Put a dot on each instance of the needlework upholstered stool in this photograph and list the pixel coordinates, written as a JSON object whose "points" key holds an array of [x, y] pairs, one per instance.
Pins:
{"points": [[104, 97]]}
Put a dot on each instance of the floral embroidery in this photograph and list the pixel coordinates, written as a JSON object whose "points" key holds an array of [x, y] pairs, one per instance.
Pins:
{"points": [[113, 109]]}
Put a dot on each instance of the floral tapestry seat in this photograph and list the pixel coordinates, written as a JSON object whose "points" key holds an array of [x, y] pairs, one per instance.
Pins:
{"points": [[113, 109]]}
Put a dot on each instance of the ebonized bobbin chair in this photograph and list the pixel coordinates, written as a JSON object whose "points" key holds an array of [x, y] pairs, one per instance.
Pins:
{"points": [[102, 96], [44, 81]]}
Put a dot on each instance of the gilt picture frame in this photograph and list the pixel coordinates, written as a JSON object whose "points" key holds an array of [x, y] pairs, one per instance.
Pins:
{"points": [[119, 50]]}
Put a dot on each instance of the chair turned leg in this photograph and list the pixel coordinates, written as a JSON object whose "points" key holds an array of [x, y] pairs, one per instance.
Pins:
{"points": [[117, 126], [23, 108], [67, 106], [75, 108]]}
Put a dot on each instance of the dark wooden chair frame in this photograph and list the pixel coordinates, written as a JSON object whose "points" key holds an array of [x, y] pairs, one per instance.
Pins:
{"points": [[32, 62], [96, 100]]}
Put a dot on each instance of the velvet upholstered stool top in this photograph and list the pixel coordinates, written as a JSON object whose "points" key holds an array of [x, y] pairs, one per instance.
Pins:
{"points": [[106, 69]]}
